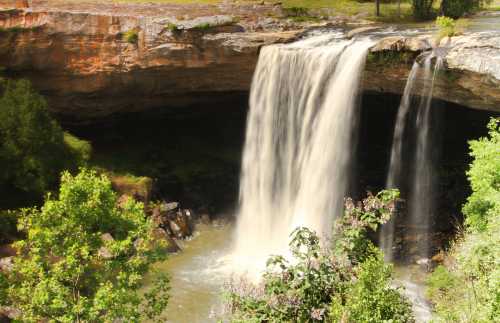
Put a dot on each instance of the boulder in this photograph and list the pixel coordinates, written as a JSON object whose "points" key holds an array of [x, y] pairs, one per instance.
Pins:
{"points": [[104, 251], [6, 264], [169, 243]]}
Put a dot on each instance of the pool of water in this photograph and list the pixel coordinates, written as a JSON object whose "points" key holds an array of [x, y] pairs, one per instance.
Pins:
{"points": [[197, 275], [199, 272]]}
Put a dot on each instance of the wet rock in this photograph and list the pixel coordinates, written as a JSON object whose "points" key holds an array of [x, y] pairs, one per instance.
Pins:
{"points": [[168, 207], [180, 224], [361, 30], [169, 243], [401, 43]]}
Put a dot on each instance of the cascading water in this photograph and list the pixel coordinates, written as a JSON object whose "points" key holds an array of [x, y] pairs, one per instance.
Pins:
{"points": [[300, 134], [421, 197]]}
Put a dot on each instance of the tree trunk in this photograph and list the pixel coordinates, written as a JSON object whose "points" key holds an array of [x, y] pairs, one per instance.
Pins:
{"points": [[378, 8]]}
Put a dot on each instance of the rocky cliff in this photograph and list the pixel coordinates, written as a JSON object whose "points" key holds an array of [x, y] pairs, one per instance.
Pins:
{"points": [[93, 64]]}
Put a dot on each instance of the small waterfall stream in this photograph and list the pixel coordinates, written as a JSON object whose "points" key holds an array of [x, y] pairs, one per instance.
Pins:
{"points": [[413, 123], [300, 134]]}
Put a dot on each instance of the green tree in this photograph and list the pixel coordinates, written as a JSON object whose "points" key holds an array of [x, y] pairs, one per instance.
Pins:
{"points": [[422, 9], [469, 289], [84, 257], [458, 8], [484, 176], [32, 147]]}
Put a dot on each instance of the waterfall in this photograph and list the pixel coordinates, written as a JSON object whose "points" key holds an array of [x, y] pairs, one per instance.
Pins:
{"points": [[421, 175], [299, 140]]}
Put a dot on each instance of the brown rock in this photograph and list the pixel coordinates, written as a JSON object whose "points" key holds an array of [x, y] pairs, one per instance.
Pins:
{"points": [[22, 4], [139, 188], [161, 235]]}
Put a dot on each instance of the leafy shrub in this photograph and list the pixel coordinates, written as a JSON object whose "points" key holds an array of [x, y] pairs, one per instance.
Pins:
{"points": [[458, 8], [484, 176], [371, 298], [346, 283], [84, 258], [131, 36], [446, 26], [468, 290], [33, 148]]}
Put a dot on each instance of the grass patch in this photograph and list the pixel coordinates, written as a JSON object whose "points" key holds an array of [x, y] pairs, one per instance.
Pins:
{"points": [[81, 149], [385, 58], [172, 27], [131, 36], [203, 26]]}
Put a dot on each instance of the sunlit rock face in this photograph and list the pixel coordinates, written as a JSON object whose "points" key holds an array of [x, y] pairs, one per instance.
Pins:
{"points": [[472, 68], [88, 69]]}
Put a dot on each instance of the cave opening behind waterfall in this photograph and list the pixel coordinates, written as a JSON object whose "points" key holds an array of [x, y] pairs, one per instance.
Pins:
{"points": [[452, 126], [194, 154]]}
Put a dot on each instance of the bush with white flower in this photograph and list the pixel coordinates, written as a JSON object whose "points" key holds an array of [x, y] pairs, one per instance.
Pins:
{"points": [[346, 282]]}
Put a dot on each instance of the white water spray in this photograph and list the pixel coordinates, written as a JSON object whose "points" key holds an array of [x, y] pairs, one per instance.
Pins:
{"points": [[421, 197], [299, 139]]}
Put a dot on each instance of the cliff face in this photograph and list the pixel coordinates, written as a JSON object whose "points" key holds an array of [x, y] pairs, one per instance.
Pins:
{"points": [[472, 68], [88, 66], [91, 65]]}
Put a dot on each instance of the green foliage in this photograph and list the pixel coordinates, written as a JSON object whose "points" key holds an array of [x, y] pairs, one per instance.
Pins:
{"points": [[458, 8], [348, 283], [371, 298], [31, 142], [468, 290], [422, 9], [484, 176], [131, 36], [84, 257], [441, 283], [33, 148], [81, 150], [446, 26]]}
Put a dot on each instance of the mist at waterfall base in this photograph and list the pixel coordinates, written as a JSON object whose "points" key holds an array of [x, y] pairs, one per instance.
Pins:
{"points": [[301, 133]]}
